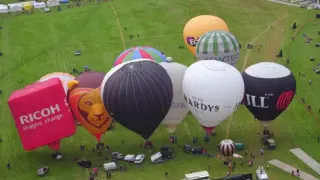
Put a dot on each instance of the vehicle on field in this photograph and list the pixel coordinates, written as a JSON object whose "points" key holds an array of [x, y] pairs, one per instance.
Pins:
{"points": [[42, 171], [110, 166], [239, 146], [157, 158], [261, 173], [117, 155], [270, 143], [130, 158], [193, 150], [139, 158], [167, 152], [202, 175]]}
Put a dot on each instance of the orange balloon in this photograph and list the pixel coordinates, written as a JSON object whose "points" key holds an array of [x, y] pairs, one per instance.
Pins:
{"points": [[199, 25], [87, 106]]}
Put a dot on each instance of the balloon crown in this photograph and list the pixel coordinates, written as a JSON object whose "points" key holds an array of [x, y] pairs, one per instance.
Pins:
{"points": [[132, 66]]}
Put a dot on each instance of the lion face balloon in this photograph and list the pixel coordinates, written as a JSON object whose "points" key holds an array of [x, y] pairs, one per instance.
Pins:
{"points": [[88, 108]]}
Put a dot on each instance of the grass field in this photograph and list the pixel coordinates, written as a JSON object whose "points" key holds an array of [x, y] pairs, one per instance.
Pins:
{"points": [[37, 44]]}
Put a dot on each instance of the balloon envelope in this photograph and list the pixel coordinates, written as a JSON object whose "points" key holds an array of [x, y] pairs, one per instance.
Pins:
{"points": [[140, 52], [199, 25], [42, 114], [218, 45], [227, 147], [64, 77], [138, 95], [85, 101], [178, 109], [270, 88], [212, 90], [90, 79]]}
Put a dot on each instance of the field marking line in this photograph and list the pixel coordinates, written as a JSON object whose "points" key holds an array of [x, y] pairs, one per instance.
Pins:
{"points": [[245, 61], [119, 25]]}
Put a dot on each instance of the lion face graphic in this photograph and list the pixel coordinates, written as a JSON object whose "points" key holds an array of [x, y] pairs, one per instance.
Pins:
{"points": [[92, 110]]}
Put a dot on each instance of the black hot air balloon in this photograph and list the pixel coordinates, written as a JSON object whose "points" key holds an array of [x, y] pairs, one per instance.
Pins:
{"points": [[269, 89], [138, 94]]}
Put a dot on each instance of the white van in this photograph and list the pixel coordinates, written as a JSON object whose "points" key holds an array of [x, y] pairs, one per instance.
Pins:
{"points": [[202, 175], [110, 166], [261, 174]]}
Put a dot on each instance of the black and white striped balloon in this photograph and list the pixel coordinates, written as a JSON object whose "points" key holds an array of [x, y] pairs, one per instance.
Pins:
{"points": [[227, 147], [138, 95]]}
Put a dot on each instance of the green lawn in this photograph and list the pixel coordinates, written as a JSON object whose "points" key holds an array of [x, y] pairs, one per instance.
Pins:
{"points": [[37, 44]]}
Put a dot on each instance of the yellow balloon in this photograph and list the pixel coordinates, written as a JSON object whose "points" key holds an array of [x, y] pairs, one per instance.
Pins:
{"points": [[199, 25]]}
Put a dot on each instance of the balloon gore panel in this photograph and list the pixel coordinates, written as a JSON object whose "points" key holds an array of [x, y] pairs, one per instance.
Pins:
{"points": [[138, 96], [267, 98], [41, 113]]}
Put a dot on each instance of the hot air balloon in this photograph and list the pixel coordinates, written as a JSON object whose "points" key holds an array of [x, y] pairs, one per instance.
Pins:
{"points": [[41, 118], [85, 100], [64, 77], [227, 148], [270, 88], [213, 90], [138, 95], [140, 52], [198, 26], [178, 109], [218, 45]]}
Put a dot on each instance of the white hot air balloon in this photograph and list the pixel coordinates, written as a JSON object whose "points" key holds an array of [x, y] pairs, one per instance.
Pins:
{"points": [[178, 110], [64, 77], [213, 90]]}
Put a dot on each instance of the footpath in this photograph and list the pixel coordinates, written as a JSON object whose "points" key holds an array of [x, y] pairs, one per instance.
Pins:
{"points": [[285, 3], [289, 169]]}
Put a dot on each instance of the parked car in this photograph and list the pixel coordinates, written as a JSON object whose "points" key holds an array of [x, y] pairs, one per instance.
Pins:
{"points": [[167, 152], [130, 158], [139, 158], [42, 171], [270, 143], [157, 158], [193, 150], [117, 155], [110, 166]]}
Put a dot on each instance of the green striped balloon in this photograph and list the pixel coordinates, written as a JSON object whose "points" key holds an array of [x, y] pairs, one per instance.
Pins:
{"points": [[218, 45]]}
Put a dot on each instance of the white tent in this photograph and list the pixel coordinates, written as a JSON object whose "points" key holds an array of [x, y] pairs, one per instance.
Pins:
{"points": [[15, 7], [40, 5], [3, 8], [52, 3]]}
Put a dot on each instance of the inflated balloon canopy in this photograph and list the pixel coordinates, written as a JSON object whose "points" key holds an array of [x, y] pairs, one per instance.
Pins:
{"points": [[269, 89], [90, 79], [138, 95]]}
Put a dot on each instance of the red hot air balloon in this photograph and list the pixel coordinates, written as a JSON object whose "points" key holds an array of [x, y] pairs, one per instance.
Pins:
{"points": [[41, 118], [138, 95], [269, 89]]}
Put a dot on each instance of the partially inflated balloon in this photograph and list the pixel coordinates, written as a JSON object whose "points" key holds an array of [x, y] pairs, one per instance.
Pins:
{"points": [[227, 148], [64, 77], [218, 45], [140, 52], [270, 88], [178, 109], [198, 26], [138, 95], [85, 101], [213, 90]]}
